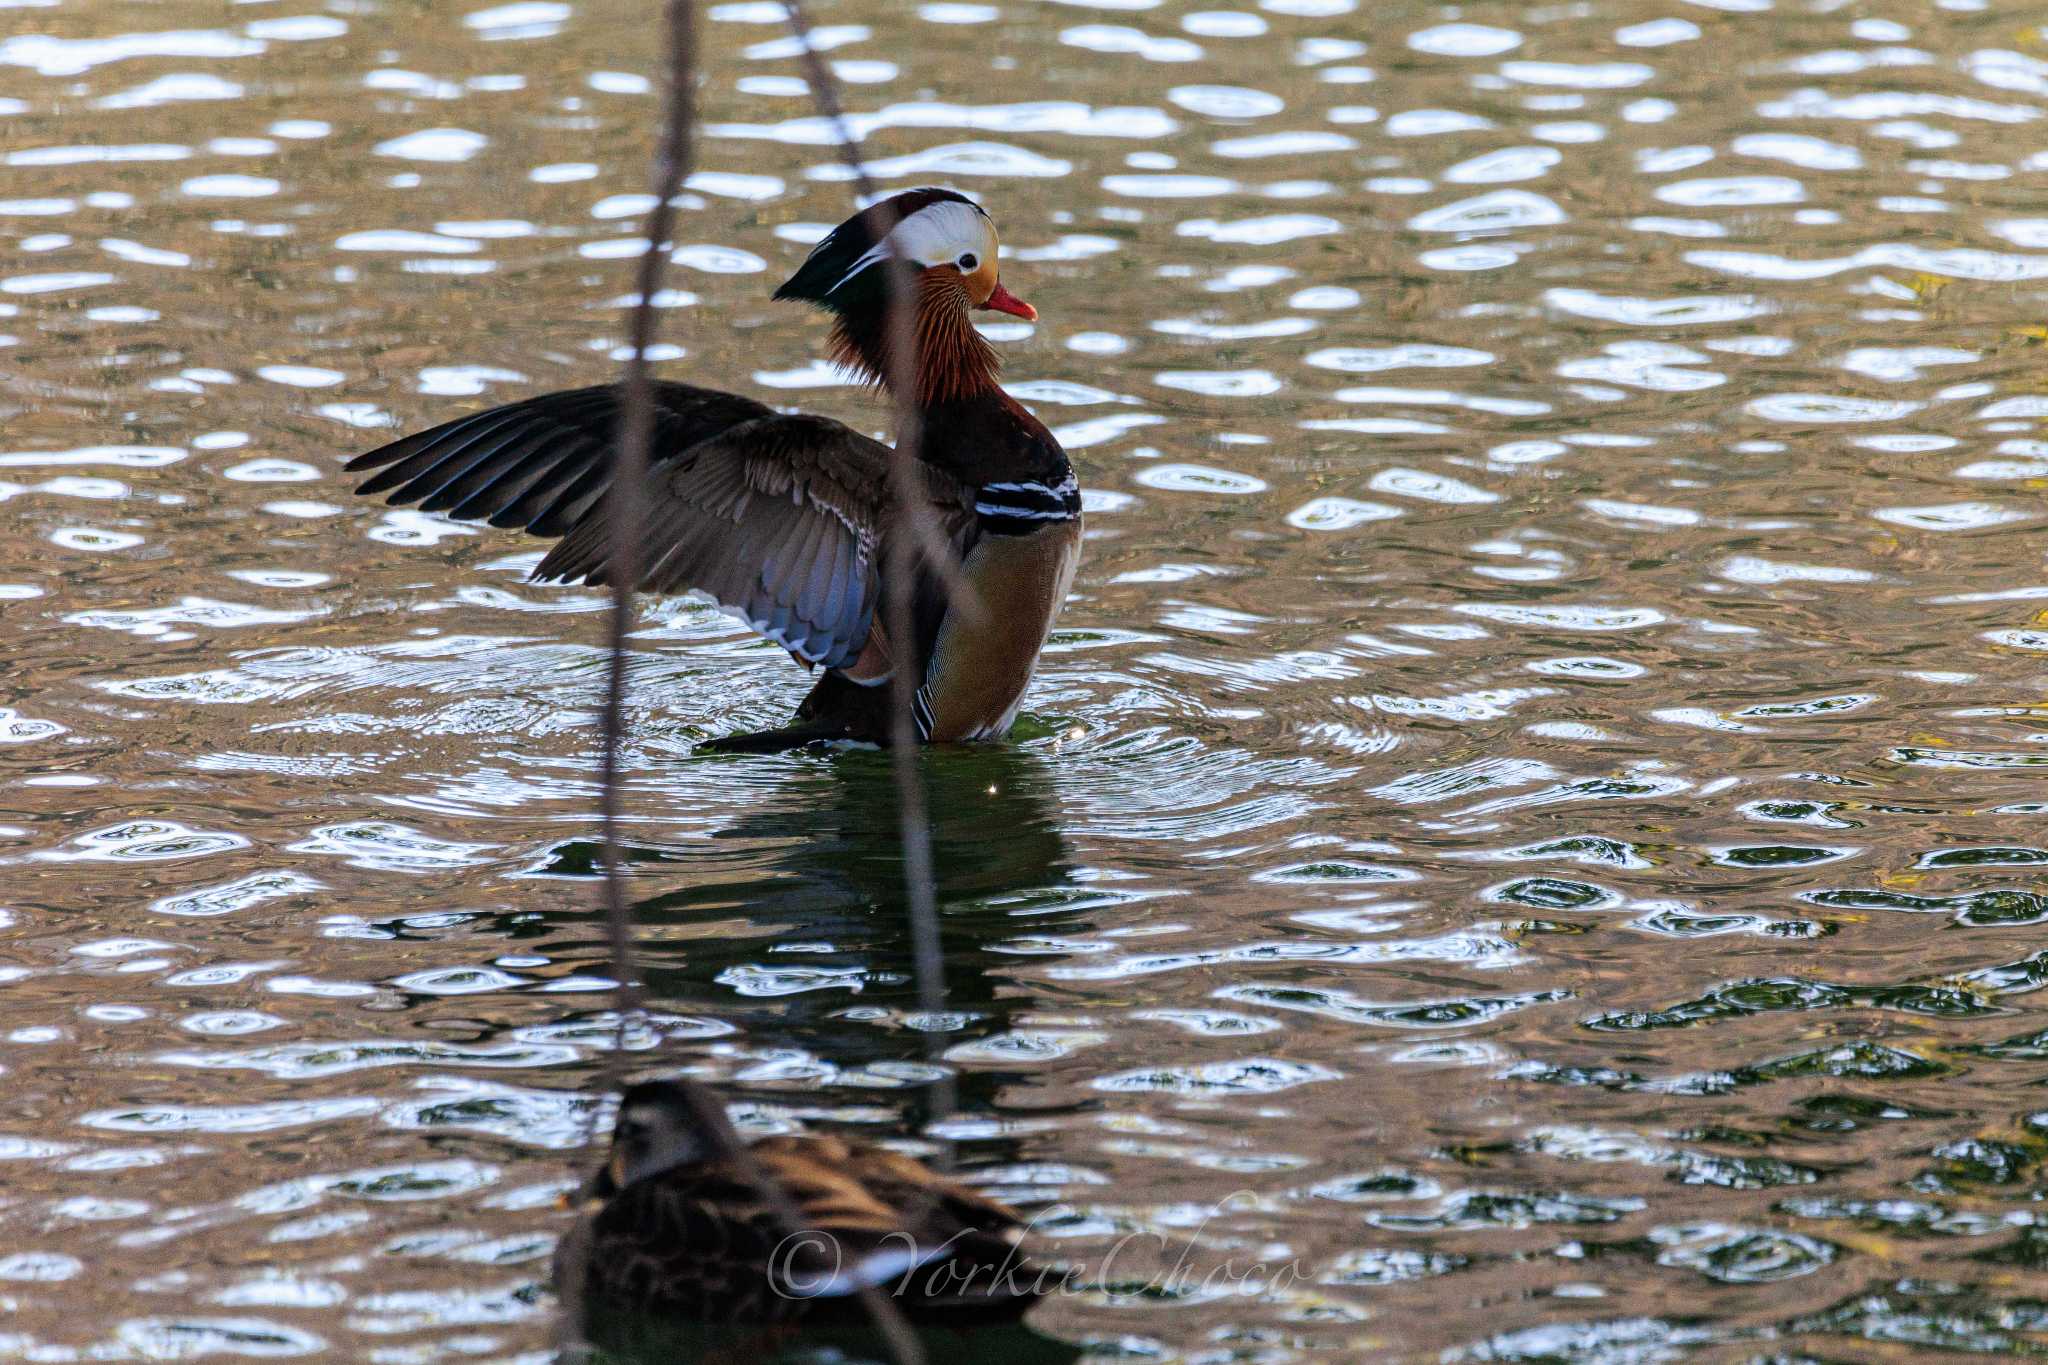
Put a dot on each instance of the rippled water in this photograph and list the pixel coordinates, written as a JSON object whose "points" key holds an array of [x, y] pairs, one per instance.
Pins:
{"points": [[1535, 808]]}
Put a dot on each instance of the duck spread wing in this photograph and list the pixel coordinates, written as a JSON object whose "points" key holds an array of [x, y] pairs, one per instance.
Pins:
{"points": [[542, 463], [780, 520]]}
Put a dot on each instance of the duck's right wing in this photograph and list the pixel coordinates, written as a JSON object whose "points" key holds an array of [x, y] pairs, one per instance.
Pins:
{"points": [[543, 462], [779, 518]]}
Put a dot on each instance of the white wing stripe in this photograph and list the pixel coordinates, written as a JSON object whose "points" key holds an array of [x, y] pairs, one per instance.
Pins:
{"points": [[1003, 509], [1070, 484]]}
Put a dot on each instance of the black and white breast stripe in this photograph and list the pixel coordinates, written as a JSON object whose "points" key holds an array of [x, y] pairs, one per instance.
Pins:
{"points": [[1013, 509]]}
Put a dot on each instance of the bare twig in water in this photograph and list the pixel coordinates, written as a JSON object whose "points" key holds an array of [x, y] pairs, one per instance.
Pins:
{"points": [[623, 501], [626, 496], [900, 360], [900, 353]]}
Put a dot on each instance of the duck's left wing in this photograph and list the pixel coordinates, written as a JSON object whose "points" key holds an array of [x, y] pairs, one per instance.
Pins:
{"points": [[782, 521]]}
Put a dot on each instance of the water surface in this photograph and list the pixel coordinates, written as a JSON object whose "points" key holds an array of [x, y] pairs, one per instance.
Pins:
{"points": [[1532, 820]]}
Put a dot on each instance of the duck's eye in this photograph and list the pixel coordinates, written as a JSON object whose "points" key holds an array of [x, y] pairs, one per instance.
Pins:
{"points": [[968, 261]]}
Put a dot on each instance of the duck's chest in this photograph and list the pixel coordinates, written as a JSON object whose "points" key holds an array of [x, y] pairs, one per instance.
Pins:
{"points": [[1020, 568]]}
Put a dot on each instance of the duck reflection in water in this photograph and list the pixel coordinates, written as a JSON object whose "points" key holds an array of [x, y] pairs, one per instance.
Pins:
{"points": [[817, 834], [816, 860], [820, 869]]}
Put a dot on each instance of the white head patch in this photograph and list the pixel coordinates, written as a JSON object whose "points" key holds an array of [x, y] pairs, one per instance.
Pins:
{"points": [[937, 234]]}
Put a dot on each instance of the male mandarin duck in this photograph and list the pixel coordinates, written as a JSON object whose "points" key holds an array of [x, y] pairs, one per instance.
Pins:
{"points": [[674, 1225], [784, 519]]}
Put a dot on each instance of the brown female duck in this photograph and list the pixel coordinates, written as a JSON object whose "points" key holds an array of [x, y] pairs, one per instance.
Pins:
{"points": [[784, 519], [675, 1226]]}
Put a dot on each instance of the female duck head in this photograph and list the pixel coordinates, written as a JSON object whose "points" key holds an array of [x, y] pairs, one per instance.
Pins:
{"points": [[663, 1125]]}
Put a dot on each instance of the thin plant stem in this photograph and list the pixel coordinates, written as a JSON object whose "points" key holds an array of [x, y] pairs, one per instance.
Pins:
{"points": [[626, 497], [623, 501], [900, 569]]}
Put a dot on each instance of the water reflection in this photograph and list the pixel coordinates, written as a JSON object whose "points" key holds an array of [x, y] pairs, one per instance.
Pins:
{"points": [[825, 968]]}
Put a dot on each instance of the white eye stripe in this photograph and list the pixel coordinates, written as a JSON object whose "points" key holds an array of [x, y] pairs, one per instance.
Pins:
{"points": [[934, 235]]}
